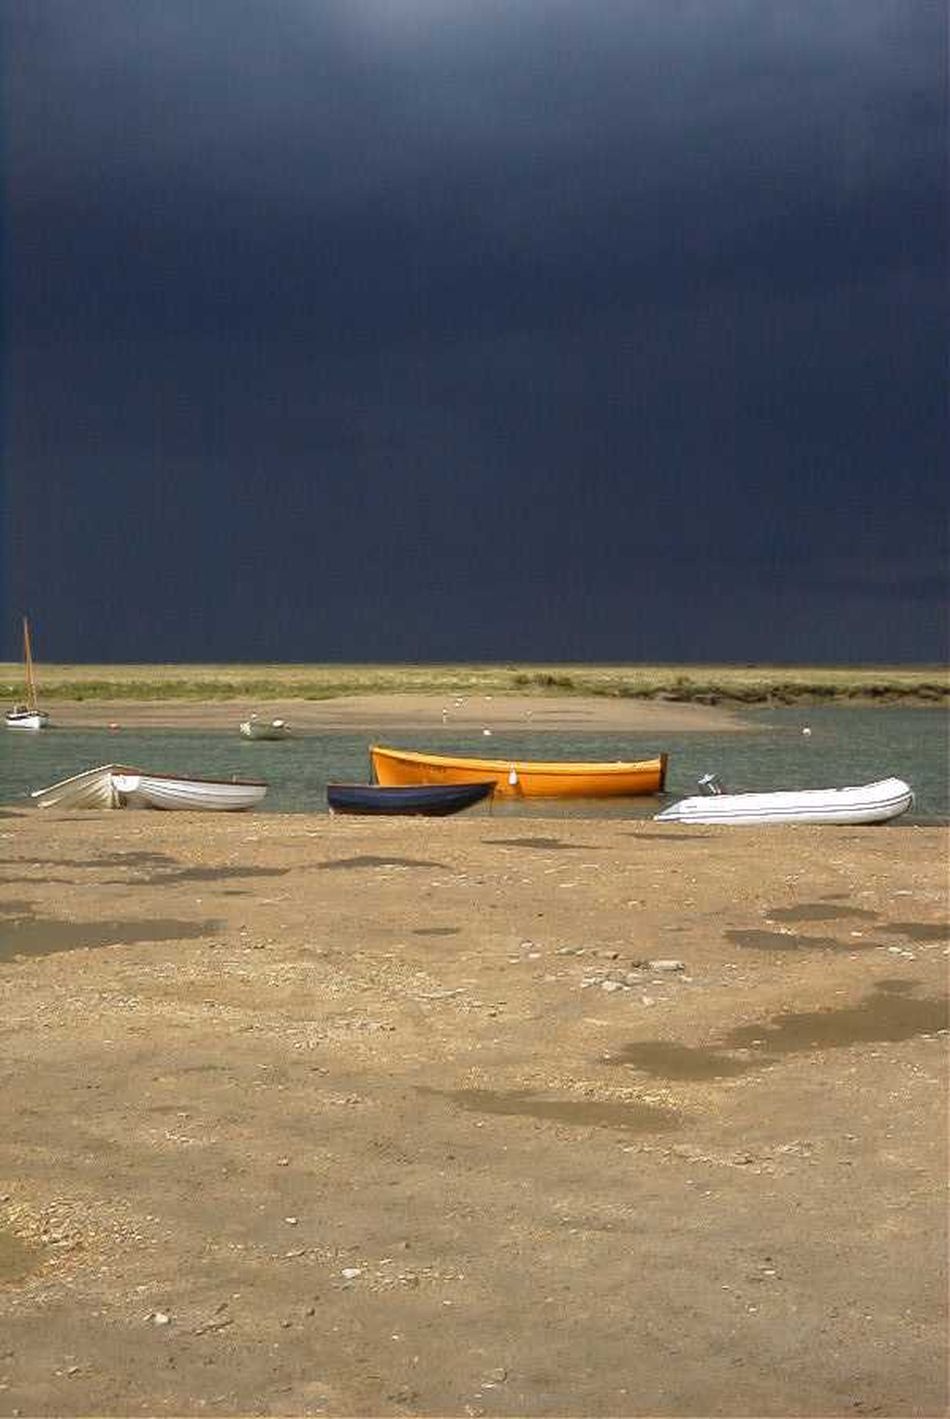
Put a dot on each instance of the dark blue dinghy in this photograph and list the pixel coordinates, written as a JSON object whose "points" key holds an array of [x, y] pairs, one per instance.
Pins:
{"points": [[432, 800]]}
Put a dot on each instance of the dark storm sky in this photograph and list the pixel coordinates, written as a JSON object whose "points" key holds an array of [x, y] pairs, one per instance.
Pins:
{"points": [[476, 329]]}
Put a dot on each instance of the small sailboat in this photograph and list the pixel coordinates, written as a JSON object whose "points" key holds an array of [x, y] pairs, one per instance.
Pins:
{"points": [[27, 715]]}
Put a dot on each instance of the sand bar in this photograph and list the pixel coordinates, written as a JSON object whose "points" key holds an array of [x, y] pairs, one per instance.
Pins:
{"points": [[308, 1115], [386, 713]]}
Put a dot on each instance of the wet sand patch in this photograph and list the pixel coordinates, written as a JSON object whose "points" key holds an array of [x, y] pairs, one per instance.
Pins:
{"points": [[664, 1059], [677, 837], [886, 1016], [920, 931], [583, 1113], [369, 861], [759, 940], [198, 874], [542, 843], [18, 1258], [46, 937], [889, 1015], [33, 877], [110, 859], [819, 911]]}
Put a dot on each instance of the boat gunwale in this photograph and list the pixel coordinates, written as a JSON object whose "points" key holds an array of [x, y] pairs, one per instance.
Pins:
{"points": [[126, 771], [75, 778], [433, 788], [568, 768]]}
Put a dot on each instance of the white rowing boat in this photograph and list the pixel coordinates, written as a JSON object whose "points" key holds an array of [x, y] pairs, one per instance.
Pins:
{"points": [[118, 786], [138, 789], [92, 789], [863, 803]]}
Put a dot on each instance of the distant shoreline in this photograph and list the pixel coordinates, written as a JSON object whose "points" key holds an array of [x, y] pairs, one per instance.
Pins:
{"points": [[386, 716], [729, 687]]}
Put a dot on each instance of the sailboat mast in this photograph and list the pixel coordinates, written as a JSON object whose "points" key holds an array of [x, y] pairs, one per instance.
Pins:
{"points": [[28, 657]]}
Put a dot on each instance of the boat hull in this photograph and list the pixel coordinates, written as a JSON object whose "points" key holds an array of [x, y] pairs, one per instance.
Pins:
{"points": [[171, 792], [521, 778], [28, 714], [92, 789], [257, 729], [865, 803], [420, 800], [118, 786], [26, 719]]}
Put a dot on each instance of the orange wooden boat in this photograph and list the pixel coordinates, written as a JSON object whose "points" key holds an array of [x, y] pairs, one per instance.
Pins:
{"points": [[522, 778]]}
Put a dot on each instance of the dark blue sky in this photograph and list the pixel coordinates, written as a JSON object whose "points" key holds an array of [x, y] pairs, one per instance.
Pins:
{"points": [[476, 329]]}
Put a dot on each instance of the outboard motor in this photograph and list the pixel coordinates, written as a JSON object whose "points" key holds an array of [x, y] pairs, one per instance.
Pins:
{"points": [[712, 785]]}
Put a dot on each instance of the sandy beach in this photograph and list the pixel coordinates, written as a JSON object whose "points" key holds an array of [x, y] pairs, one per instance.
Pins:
{"points": [[379, 713], [310, 1115]]}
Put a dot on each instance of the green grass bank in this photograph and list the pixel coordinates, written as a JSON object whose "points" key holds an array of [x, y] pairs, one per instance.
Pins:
{"points": [[701, 684]]}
